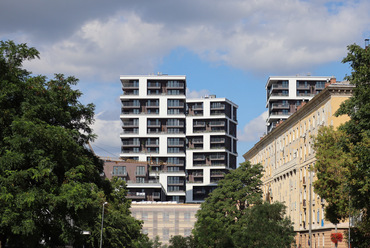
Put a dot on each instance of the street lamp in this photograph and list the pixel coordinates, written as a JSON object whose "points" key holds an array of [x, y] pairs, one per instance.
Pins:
{"points": [[102, 221]]}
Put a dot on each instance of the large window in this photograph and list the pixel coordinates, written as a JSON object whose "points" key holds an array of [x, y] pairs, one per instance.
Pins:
{"points": [[140, 170], [119, 170]]}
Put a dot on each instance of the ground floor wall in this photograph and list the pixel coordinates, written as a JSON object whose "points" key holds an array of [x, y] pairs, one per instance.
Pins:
{"points": [[320, 238]]}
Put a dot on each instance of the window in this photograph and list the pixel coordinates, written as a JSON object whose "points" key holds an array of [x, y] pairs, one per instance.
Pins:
{"points": [[174, 103], [173, 188], [140, 170], [187, 216], [166, 234], [173, 161], [119, 170], [166, 216], [173, 141], [173, 111], [173, 92], [144, 216], [174, 180], [173, 168], [140, 180], [173, 149]]}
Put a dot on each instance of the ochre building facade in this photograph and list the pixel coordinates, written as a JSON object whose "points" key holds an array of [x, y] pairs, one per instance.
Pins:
{"points": [[287, 154]]}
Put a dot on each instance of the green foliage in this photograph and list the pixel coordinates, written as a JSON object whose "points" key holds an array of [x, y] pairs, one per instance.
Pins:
{"points": [[50, 185], [226, 213], [343, 165], [179, 241], [264, 225]]}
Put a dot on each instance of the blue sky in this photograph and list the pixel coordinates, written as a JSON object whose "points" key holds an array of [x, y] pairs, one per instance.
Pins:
{"points": [[226, 48]]}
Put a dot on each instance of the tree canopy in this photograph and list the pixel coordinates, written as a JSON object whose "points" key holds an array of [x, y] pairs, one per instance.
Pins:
{"points": [[343, 155], [50, 184], [232, 214]]}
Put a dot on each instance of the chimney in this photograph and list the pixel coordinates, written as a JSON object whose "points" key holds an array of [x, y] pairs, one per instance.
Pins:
{"points": [[331, 81]]}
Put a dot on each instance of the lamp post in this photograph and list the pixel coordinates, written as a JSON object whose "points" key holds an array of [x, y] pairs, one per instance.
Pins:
{"points": [[102, 221]]}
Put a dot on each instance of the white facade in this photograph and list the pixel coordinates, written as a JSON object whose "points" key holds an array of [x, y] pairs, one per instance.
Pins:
{"points": [[285, 94], [211, 150], [189, 144]]}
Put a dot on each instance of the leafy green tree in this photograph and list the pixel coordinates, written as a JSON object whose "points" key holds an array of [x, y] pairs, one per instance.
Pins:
{"points": [[235, 208], [179, 241], [50, 184], [264, 225], [343, 155], [226, 205]]}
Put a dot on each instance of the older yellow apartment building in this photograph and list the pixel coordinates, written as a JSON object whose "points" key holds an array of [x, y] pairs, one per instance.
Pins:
{"points": [[287, 155]]}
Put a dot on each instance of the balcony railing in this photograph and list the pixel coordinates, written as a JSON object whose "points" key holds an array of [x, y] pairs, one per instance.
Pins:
{"points": [[130, 123], [217, 140]]}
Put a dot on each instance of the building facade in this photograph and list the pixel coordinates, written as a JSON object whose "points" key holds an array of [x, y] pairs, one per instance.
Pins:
{"points": [[165, 219], [211, 144], [185, 145], [287, 155], [284, 95]]}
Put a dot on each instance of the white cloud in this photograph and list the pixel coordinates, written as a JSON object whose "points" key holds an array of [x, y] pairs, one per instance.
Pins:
{"points": [[108, 142], [193, 94], [280, 37], [254, 129]]}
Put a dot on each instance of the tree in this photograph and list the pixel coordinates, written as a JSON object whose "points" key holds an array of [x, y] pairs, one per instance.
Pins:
{"points": [[265, 225], [179, 241], [50, 184], [343, 155], [228, 209]]}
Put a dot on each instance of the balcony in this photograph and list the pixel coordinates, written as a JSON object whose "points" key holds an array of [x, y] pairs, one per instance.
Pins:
{"points": [[176, 144], [175, 182], [130, 124], [217, 140], [197, 141], [217, 174], [133, 85], [279, 86], [156, 195], [178, 124], [154, 85], [280, 113], [280, 94], [154, 124], [199, 124], [197, 107], [217, 157], [217, 123], [136, 195], [130, 105], [279, 106], [152, 143], [152, 104], [303, 86], [217, 106], [175, 85], [130, 143], [199, 158]]}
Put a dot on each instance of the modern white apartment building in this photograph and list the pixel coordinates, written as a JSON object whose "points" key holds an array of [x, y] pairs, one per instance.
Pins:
{"points": [[286, 93], [188, 145], [211, 144]]}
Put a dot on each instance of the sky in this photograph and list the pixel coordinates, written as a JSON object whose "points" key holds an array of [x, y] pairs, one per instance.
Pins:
{"points": [[225, 48]]}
